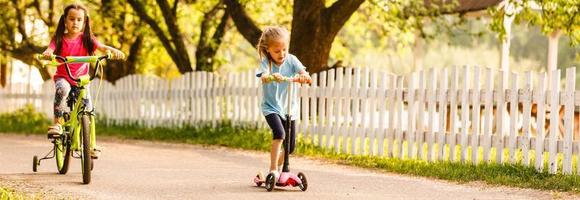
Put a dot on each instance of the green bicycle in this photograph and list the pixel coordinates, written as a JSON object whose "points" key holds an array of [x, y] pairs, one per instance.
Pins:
{"points": [[78, 138]]}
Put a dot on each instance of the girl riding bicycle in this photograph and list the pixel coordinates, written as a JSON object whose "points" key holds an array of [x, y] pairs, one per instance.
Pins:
{"points": [[275, 64], [73, 37]]}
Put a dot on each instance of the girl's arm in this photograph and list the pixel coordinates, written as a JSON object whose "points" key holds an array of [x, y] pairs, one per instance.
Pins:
{"points": [[48, 52], [304, 77], [116, 53]]}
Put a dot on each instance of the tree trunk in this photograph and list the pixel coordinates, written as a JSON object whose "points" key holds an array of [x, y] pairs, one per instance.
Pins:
{"points": [[3, 70], [314, 28], [116, 70]]}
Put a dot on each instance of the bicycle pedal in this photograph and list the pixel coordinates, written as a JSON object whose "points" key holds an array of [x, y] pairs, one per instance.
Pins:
{"points": [[53, 135]]}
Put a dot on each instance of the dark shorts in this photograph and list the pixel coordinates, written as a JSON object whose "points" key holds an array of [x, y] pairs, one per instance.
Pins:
{"points": [[278, 126]]}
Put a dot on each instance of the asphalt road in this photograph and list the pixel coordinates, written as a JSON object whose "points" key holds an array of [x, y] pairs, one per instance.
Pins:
{"points": [[148, 170]]}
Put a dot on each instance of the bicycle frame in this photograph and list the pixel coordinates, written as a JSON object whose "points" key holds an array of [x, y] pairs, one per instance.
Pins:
{"points": [[79, 107], [79, 124]]}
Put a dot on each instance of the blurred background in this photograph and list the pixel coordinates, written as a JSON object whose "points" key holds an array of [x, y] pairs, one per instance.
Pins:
{"points": [[168, 38]]}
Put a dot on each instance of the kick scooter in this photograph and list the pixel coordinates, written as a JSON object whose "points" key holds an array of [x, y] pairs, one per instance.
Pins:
{"points": [[286, 178]]}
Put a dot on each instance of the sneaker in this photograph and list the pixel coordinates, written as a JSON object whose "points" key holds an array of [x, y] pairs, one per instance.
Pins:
{"points": [[96, 152], [260, 176], [276, 174], [54, 131]]}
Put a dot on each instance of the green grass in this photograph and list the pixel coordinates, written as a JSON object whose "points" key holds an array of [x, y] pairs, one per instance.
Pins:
{"points": [[246, 137], [8, 194]]}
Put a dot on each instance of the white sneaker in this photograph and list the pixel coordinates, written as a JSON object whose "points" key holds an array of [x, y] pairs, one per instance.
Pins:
{"points": [[55, 129], [276, 174]]}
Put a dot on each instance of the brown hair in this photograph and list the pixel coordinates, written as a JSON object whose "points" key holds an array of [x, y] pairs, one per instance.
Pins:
{"points": [[271, 33], [87, 33]]}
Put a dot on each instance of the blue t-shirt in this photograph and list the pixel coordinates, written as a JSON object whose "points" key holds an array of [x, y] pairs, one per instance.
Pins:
{"points": [[275, 95]]}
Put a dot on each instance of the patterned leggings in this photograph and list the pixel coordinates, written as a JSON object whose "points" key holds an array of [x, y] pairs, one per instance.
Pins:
{"points": [[63, 90]]}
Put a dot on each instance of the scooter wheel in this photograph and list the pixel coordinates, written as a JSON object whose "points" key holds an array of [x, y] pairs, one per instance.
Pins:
{"points": [[260, 177], [270, 182], [34, 163], [304, 181]]}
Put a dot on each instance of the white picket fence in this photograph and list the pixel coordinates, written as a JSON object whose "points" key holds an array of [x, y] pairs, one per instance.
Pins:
{"points": [[361, 111]]}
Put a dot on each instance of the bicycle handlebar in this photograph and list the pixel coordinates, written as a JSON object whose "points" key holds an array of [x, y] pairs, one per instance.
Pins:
{"points": [[56, 60]]}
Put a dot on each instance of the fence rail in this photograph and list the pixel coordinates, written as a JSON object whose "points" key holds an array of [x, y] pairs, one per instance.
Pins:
{"points": [[467, 114]]}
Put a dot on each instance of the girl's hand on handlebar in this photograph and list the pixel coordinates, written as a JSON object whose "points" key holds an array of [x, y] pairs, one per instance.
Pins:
{"points": [[117, 55], [304, 79], [267, 78], [47, 54], [278, 77]]}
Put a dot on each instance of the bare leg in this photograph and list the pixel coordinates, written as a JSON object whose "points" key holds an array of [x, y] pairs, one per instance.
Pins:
{"points": [[281, 159], [275, 154]]}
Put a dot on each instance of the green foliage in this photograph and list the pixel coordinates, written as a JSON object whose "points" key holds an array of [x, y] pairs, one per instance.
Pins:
{"points": [[25, 120], [550, 15], [8, 194]]}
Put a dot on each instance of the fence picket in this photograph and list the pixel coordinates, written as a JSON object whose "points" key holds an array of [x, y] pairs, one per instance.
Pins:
{"points": [[513, 116], [410, 114], [442, 98], [488, 114], [527, 109], [431, 103], [540, 98], [453, 114], [464, 113], [554, 95], [569, 120]]}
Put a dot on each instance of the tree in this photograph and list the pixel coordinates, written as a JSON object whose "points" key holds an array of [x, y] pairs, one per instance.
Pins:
{"points": [[172, 39], [114, 16], [14, 25], [208, 44], [314, 26], [554, 17], [31, 42]]}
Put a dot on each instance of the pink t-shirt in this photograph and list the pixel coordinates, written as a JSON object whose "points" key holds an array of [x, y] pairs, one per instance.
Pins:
{"points": [[73, 47]]}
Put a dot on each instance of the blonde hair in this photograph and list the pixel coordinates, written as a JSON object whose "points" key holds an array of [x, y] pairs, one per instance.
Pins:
{"points": [[271, 33]]}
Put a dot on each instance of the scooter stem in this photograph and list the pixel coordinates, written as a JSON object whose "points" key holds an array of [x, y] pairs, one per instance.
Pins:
{"points": [[288, 129]]}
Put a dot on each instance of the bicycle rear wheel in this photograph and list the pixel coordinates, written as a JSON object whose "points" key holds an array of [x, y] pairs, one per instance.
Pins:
{"points": [[86, 159], [62, 154]]}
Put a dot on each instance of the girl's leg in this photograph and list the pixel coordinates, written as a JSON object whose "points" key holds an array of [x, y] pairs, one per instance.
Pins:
{"points": [[291, 140], [275, 123], [275, 154], [62, 88]]}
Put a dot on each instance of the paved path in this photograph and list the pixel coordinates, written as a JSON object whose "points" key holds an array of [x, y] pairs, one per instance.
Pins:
{"points": [[147, 170]]}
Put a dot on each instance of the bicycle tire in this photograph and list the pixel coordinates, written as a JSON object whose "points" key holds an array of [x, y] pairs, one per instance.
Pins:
{"points": [[86, 159], [62, 154]]}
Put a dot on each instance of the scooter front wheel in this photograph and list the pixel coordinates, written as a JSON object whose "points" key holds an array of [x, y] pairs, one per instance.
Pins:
{"points": [[270, 182], [304, 181]]}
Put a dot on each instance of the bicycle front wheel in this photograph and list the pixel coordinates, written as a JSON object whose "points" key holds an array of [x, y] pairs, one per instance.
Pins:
{"points": [[86, 148], [62, 154]]}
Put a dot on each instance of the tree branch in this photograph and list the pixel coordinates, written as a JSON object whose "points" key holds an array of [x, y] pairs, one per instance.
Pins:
{"points": [[245, 25], [20, 19], [339, 12], [174, 10], [140, 10]]}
